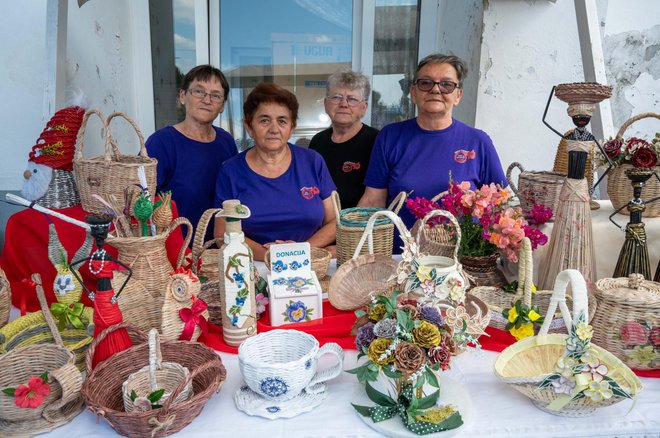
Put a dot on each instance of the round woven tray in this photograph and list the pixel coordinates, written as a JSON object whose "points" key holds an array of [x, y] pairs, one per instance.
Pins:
{"points": [[583, 92]]}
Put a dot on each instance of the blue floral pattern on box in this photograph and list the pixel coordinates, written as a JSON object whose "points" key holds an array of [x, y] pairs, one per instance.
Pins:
{"points": [[308, 364], [295, 265], [274, 386], [273, 409], [297, 311], [278, 266], [305, 262]]}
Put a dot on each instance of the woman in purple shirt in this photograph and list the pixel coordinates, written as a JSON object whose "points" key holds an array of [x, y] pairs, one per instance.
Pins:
{"points": [[286, 187]]}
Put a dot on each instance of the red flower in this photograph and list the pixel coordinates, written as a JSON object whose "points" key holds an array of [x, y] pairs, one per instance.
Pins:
{"points": [[32, 395], [441, 355], [655, 336], [633, 333], [644, 157], [613, 147]]}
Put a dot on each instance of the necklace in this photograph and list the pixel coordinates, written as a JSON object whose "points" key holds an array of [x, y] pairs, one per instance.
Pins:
{"points": [[100, 256]]}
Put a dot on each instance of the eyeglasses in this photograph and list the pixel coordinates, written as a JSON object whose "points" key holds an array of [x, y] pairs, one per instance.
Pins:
{"points": [[350, 100], [201, 95], [446, 87]]}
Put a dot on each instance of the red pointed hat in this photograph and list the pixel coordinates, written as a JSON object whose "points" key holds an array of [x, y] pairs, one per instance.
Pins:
{"points": [[57, 143]]}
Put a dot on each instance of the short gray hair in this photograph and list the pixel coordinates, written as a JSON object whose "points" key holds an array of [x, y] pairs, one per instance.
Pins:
{"points": [[347, 78], [438, 58]]}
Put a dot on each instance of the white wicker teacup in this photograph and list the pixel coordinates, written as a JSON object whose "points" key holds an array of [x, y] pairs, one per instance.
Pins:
{"points": [[280, 364]]}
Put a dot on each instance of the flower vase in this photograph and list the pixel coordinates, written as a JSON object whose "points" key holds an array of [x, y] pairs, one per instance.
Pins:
{"points": [[483, 270]]}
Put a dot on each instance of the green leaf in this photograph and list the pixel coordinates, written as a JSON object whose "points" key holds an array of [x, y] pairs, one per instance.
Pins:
{"points": [[9, 391], [154, 406], [365, 411], [455, 420], [155, 396], [44, 377], [389, 372], [133, 395], [420, 381], [360, 313], [378, 397], [578, 396], [365, 372], [431, 378], [429, 401]]}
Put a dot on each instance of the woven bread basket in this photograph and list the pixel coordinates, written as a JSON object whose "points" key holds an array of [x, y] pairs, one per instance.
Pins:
{"points": [[320, 261], [110, 174], [5, 298], [102, 390], [201, 250], [527, 363], [627, 321], [540, 188], [619, 188], [435, 240], [351, 223], [63, 402], [583, 92]]}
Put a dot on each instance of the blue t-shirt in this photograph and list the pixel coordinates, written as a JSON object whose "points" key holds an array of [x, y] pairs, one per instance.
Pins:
{"points": [[409, 158], [189, 168], [289, 207]]}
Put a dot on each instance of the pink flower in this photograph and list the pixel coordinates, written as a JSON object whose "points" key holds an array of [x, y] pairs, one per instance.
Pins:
{"points": [[261, 301], [633, 333], [655, 336], [540, 214], [32, 395]]}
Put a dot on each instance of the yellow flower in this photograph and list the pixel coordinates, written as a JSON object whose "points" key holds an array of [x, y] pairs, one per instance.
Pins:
{"points": [[424, 273], [642, 355], [513, 314], [524, 331], [598, 391], [533, 316], [565, 366], [377, 312], [584, 331], [533, 288], [426, 335], [376, 350]]}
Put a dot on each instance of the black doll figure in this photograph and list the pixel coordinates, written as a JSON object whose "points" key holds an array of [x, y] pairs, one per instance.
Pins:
{"points": [[106, 311]]}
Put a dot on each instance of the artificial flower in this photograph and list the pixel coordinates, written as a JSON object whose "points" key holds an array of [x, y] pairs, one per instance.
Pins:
{"points": [[522, 332], [613, 147], [584, 331], [563, 385], [377, 312], [643, 355], [386, 328], [411, 310], [365, 335], [564, 366], [32, 395], [598, 391], [513, 315], [455, 316], [440, 354], [533, 316], [426, 335], [261, 301], [597, 370], [431, 314], [654, 337], [142, 404], [424, 273], [633, 333], [590, 357], [456, 290], [377, 348], [408, 357]]}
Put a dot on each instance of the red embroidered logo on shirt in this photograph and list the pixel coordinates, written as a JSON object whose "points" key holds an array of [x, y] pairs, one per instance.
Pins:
{"points": [[461, 156], [349, 166], [309, 192]]}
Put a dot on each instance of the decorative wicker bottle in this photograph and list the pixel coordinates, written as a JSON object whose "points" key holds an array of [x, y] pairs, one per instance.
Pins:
{"points": [[237, 298]]}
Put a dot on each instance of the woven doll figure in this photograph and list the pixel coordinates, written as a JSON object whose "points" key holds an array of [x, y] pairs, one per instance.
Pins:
{"points": [[48, 178], [185, 315]]}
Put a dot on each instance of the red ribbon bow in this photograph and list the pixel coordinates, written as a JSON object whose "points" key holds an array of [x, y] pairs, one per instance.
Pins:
{"points": [[193, 317]]}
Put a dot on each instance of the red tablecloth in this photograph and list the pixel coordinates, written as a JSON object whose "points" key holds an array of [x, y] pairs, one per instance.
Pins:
{"points": [[26, 252]]}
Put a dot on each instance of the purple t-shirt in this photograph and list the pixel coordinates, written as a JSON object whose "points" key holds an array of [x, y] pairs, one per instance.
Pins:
{"points": [[408, 158], [189, 168], [289, 207]]}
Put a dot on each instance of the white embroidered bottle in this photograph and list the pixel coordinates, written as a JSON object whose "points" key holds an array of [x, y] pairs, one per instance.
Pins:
{"points": [[237, 298]]}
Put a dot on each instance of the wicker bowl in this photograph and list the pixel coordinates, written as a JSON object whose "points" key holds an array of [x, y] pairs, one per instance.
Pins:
{"points": [[320, 261]]}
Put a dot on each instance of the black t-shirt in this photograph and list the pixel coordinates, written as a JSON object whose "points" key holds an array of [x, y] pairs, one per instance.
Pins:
{"points": [[347, 162]]}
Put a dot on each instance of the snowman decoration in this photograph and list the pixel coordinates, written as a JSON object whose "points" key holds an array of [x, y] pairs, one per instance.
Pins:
{"points": [[48, 179]]}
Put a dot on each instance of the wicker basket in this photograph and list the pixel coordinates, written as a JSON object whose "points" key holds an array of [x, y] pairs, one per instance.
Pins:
{"points": [[437, 240], [102, 390], [351, 223], [5, 298], [320, 261], [64, 401], [136, 304], [627, 320], [366, 275], [210, 293], [155, 376], [210, 268], [525, 364], [110, 174], [583, 92], [619, 188], [541, 188]]}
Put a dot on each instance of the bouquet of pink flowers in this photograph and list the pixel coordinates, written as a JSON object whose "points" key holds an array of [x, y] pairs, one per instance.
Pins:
{"points": [[487, 221]]}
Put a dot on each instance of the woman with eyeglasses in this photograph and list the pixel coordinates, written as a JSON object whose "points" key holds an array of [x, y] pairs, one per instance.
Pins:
{"points": [[190, 152], [420, 155], [286, 187]]}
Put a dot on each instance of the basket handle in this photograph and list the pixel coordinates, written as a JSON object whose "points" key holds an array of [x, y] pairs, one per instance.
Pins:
{"points": [[186, 240], [630, 121], [110, 140], [439, 196], [70, 379], [183, 383], [509, 171], [580, 303], [137, 337], [452, 219], [43, 303], [397, 202], [336, 204], [200, 234], [525, 271], [369, 229], [155, 358], [83, 127]]}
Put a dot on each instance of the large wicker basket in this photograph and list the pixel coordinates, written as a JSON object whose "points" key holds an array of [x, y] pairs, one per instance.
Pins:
{"points": [[627, 320], [102, 390], [525, 364], [352, 222], [541, 188], [5, 298], [64, 401], [110, 174], [619, 188]]}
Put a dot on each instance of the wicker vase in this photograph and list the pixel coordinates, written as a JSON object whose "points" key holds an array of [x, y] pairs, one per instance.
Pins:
{"points": [[483, 270]]}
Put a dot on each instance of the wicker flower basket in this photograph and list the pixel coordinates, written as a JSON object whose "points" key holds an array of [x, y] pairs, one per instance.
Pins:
{"points": [[102, 390], [627, 320], [525, 364], [620, 190], [434, 241], [210, 268], [156, 376], [111, 173], [5, 298], [351, 223], [64, 401], [536, 188]]}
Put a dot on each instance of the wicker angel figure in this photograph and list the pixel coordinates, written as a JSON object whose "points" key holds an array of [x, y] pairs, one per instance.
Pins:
{"points": [[185, 315]]}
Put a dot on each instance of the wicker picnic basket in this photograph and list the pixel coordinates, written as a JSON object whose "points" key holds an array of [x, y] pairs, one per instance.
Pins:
{"points": [[498, 300], [438, 240], [320, 261], [627, 320], [64, 400], [351, 223], [526, 364], [110, 174], [155, 376], [5, 298], [620, 190], [201, 250], [368, 275], [533, 187], [102, 390]]}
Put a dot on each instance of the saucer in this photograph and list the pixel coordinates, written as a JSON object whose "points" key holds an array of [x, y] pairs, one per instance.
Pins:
{"points": [[254, 404]]}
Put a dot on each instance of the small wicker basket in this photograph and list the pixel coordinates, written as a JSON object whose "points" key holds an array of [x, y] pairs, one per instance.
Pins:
{"points": [[351, 223], [210, 269], [155, 376], [525, 364], [438, 240], [620, 190], [541, 188], [5, 298], [627, 320]]}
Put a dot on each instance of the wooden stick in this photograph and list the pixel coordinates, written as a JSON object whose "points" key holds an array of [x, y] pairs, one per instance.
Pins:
{"points": [[25, 202]]}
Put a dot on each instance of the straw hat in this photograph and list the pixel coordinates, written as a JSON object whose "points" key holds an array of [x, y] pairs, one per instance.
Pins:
{"points": [[232, 208]]}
